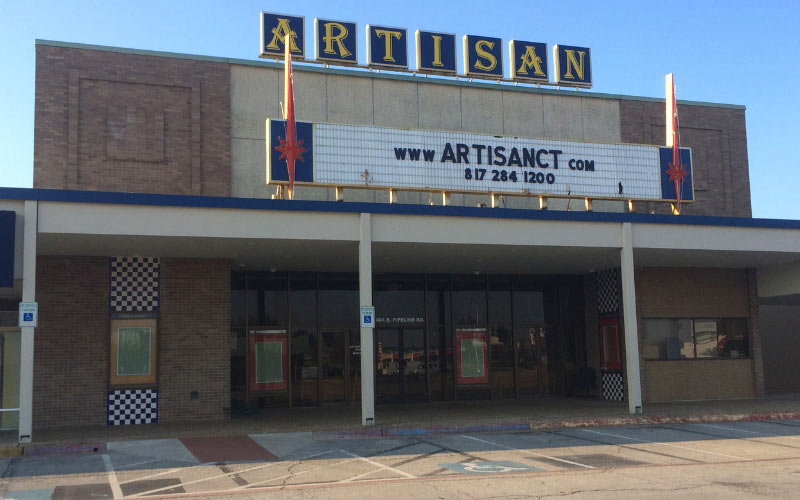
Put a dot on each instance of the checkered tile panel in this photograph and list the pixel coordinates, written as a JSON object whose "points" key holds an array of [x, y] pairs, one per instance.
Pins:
{"points": [[134, 284], [132, 406], [607, 291], [613, 389]]}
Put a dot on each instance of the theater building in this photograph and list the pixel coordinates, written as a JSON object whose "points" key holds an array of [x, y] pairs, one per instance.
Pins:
{"points": [[167, 272]]}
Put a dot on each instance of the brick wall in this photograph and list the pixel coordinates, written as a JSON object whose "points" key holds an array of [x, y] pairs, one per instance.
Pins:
{"points": [[72, 342], [194, 350], [698, 293], [718, 140], [123, 122]]}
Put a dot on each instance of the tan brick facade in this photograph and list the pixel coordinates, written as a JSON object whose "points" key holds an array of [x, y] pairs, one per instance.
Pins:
{"points": [[698, 293], [718, 140], [71, 368], [123, 122], [71, 355], [195, 350]]}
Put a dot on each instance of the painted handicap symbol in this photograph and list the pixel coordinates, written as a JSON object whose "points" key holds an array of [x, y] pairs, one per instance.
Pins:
{"points": [[491, 468]]}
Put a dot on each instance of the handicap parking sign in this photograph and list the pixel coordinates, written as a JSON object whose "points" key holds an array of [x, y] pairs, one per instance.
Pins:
{"points": [[28, 314], [367, 315]]}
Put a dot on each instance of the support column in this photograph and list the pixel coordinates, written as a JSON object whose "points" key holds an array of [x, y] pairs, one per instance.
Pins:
{"points": [[632, 373], [367, 343], [26, 348]]}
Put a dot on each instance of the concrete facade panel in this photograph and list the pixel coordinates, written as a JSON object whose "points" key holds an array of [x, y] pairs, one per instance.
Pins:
{"points": [[523, 114], [439, 107], [349, 100], [600, 120], [481, 110], [248, 169], [563, 117], [395, 104], [255, 95]]}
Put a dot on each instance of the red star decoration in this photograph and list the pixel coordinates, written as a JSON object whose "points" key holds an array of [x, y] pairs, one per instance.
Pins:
{"points": [[291, 150], [677, 173]]}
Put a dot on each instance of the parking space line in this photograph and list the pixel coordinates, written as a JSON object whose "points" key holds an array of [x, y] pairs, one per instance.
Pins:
{"points": [[286, 476], [271, 464], [151, 476], [382, 466], [529, 452], [749, 432], [139, 463], [112, 477], [666, 444], [627, 447]]}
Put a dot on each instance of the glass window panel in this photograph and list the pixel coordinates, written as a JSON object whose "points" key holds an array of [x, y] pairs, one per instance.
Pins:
{"points": [[668, 339], [304, 299], [469, 300], [267, 300], [440, 362], [732, 338], [499, 301], [528, 302], [399, 300], [438, 301], [269, 362], [133, 351], [338, 300], [705, 337], [304, 366]]}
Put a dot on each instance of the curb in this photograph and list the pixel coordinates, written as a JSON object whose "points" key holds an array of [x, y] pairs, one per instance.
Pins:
{"points": [[381, 432], [397, 432], [45, 451]]}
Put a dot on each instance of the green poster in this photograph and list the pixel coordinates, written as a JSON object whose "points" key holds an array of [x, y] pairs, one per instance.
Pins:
{"points": [[133, 351], [472, 363], [269, 362]]}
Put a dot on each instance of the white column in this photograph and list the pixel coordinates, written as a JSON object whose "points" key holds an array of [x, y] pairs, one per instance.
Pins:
{"points": [[28, 295], [631, 326], [367, 343]]}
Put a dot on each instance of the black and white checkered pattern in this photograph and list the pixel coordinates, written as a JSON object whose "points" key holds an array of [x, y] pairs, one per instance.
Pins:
{"points": [[613, 389], [132, 406], [608, 291], [134, 284]]}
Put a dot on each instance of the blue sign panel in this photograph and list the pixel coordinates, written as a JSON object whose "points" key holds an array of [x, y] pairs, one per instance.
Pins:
{"points": [[669, 175], [483, 56], [336, 41], [7, 231], [573, 65], [387, 46], [275, 27], [528, 61], [489, 467], [436, 52], [277, 171]]}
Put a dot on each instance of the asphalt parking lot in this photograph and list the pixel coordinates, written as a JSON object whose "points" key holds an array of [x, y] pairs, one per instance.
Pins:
{"points": [[297, 462]]}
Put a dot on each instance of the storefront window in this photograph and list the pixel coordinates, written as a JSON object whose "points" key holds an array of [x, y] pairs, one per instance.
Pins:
{"points": [[702, 338]]}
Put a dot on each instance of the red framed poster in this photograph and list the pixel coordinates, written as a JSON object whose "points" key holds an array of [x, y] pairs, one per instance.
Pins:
{"points": [[610, 354], [472, 356], [268, 366]]}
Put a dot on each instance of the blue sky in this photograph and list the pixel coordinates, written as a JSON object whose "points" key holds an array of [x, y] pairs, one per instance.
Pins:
{"points": [[729, 52]]}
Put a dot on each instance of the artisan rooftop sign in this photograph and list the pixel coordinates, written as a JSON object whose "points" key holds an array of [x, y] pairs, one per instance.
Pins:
{"points": [[336, 42]]}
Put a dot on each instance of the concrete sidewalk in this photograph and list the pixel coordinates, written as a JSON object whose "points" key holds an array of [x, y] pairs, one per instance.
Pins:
{"points": [[415, 419]]}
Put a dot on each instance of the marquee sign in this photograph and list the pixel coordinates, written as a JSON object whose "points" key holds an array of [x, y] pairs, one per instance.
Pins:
{"points": [[388, 48], [362, 156]]}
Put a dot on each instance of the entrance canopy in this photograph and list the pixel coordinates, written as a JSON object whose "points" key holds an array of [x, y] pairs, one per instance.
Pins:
{"points": [[324, 236]]}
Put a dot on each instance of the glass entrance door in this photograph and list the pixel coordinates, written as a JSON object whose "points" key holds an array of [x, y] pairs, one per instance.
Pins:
{"points": [[533, 364], [400, 365]]}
